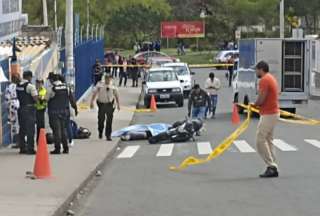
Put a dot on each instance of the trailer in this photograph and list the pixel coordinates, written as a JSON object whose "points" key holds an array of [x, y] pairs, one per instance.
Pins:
{"points": [[289, 62]]}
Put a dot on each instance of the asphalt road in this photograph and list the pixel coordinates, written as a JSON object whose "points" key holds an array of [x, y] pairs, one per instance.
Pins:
{"points": [[140, 184]]}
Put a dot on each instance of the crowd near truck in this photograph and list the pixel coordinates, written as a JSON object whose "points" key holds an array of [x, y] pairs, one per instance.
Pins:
{"points": [[290, 61]]}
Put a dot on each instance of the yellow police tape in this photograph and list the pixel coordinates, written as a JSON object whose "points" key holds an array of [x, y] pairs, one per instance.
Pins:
{"points": [[210, 65], [220, 149]]}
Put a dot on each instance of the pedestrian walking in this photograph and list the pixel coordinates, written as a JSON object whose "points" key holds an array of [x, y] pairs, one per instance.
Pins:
{"points": [[268, 103], [108, 63], [97, 72], [41, 106], [107, 97], [123, 72], [27, 96], [231, 69], [59, 113], [134, 73], [198, 101], [212, 87]]}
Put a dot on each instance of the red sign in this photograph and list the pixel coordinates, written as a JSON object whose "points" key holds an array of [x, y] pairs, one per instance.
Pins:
{"points": [[194, 29]]}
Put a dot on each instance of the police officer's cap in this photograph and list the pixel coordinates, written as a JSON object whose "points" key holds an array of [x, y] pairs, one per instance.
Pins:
{"points": [[27, 74]]}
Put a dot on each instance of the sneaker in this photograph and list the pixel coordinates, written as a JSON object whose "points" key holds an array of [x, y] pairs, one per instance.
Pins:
{"points": [[55, 152], [271, 172]]}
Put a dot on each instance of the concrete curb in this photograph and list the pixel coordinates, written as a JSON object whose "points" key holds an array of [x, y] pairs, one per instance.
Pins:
{"points": [[66, 204]]}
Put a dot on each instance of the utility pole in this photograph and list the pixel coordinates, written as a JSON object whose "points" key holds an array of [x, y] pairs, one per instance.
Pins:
{"points": [[45, 12], [70, 71], [281, 18], [55, 16], [88, 18]]}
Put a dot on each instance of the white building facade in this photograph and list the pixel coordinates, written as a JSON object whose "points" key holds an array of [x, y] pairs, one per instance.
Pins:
{"points": [[11, 18]]}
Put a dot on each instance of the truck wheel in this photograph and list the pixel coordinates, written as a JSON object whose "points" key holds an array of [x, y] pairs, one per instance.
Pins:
{"points": [[180, 102], [146, 103]]}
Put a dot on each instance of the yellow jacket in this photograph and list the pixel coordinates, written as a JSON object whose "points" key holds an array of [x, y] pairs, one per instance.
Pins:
{"points": [[41, 104]]}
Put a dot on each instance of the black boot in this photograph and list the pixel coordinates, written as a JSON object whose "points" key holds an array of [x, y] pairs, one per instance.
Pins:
{"points": [[55, 152], [271, 172]]}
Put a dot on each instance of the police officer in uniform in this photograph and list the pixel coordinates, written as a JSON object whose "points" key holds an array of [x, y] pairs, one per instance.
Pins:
{"points": [[59, 113], [41, 106], [106, 94], [27, 96]]}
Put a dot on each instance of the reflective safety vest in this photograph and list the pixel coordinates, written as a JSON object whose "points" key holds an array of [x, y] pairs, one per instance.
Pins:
{"points": [[41, 104], [59, 104], [25, 99]]}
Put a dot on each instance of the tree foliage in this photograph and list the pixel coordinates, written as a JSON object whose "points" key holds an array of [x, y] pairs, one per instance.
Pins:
{"points": [[128, 20]]}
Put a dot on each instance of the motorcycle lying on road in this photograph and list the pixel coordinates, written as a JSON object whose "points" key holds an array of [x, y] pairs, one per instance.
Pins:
{"points": [[181, 131]]}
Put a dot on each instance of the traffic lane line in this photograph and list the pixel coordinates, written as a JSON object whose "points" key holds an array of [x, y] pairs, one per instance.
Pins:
{"points": [[313, 142], [243, 146], [128, 152], [283, 146], [165, 150], [204, 148]]}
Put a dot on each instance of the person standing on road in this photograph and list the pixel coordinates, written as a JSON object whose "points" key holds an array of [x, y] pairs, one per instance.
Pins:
{"points": [[59, 113], [268, 103], [198, 101], [41, 106], [28, 96], [212, 86], [106, 95], [123, 71], [115, 62], [134, 73], [230, 69]]}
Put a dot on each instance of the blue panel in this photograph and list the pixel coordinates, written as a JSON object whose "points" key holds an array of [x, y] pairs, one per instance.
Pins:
{"points": [[85, 55], [247, 49]]}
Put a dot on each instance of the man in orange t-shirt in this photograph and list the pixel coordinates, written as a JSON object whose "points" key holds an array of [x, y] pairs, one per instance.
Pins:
{"points": [[268, 103]]}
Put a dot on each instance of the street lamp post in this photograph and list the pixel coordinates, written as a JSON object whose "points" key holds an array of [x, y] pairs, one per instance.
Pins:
{"points": [[281, 18], [55, 16], [45, 12], [70, 71], [88, 18]]}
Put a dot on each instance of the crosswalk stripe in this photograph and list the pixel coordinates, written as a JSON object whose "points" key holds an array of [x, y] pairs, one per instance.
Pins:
{"points": [[243, 146], [204, 148], [315, 143], [128, 152], [165, 150], [283, 146]]}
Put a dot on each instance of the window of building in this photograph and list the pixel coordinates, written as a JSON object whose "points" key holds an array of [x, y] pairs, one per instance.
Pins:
{"points": [[10, 6]]}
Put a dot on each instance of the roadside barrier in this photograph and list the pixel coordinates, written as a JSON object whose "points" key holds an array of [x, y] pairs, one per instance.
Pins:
{"points": [[225, 144]]}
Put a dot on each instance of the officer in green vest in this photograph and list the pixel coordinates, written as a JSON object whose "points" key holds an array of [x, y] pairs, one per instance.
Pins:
{"points": [[41, 106]]}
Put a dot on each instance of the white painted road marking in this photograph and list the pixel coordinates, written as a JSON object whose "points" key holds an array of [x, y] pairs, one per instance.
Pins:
{"points": [[315, 143], [165, 150], [204, 148], [128, 152], [243, 146], [283, 146]]}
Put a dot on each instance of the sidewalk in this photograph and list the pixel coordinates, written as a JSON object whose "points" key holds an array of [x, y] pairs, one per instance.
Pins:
{"points": [[21, 196]]}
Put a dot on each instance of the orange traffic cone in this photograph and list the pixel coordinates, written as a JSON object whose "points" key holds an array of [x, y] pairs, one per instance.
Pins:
{"points": [[153, 104], [42, 168], [235, 115]]}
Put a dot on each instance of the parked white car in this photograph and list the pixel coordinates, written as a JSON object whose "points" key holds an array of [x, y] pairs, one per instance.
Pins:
{"points": [[164, 84], [184, 74], [225, 55]]}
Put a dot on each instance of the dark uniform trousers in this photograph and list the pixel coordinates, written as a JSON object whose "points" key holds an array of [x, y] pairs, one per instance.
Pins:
{"points": [[40, 121], [27, 124], [105, 113], [59, 123]]}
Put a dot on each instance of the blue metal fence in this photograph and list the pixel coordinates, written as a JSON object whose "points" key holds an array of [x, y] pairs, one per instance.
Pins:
{"points": [[85, 55]]}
